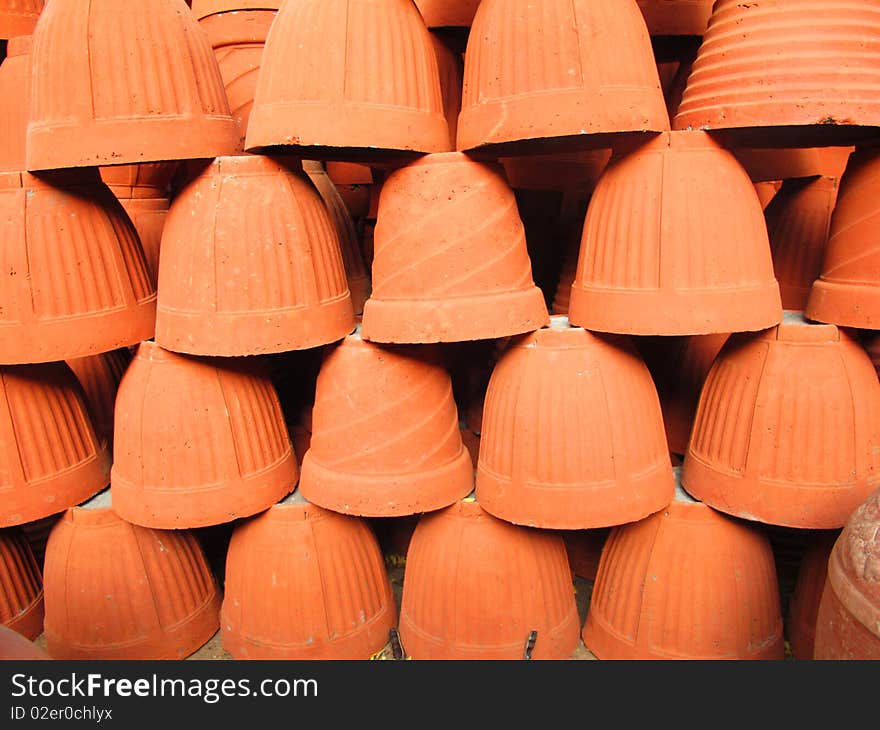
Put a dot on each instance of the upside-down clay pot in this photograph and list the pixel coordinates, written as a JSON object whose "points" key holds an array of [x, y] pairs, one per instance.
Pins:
{"points": [[450, 261], [343, 76], [768, 165], [50, 456], [353, 181], [197, 442], [450, 66], [15, 647], [476, 587], [19, 17], [15, 83], [118, 591], [99, 376], [448, 13], [385, 435], [871, 343], [21, 586], [584, 549], [250, 264], [676, 17], [596, 76], [675, 243], [767, 191], [803, 608], [305, 583], [686, 583], [788, 427], [571, 171], [572, 434]]}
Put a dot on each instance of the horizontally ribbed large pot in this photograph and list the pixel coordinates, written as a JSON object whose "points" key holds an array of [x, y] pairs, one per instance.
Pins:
{"points": [[788, 427], [99, 376], [572, 434], [803, 608], [476, 588], [385, 436], [21, 586], [675, 244], [676, 17], [450, 261], [349, 76], [197, 442], [783, 73], [50, 456], [305, 583], [19, 17], [448, 13], [596, 75], [15, 83], [118, 591], [250, 264], [686, 583], [766, 165]]}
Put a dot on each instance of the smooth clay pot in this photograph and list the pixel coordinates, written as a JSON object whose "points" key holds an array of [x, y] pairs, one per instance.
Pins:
{"points": [[15, 83], [768, 165], [14, 647], [19, 17], [448, 13], [803, 608], [21, 586], [99, 376], [676, 17]]}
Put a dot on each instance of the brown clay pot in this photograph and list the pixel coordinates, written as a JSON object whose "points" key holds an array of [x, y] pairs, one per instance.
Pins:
{"points": [[788, 427], [871, 343], [803, 609], [767, 191], [197, 442], [584, 549], [698, 261], [119, 591], [305, 583], [573, 171], [676, 17], [450, 259], [448, 13], [15, 83], [99, 376], [19, 17], [768, 165], [14, 647], [250, 264], [21, 586], [476, 587]]}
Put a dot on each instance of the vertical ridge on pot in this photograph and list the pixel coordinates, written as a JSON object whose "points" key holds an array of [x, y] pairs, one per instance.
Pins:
{"points": [[21, 586]]}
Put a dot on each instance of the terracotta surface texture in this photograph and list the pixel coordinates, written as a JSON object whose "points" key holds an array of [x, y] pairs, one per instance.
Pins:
{"points": [[448, 13], [766, 165], [803, 608], [14, 647], [21, 586], [676, 17], [19, 17], [15, 82], [99, 376]]}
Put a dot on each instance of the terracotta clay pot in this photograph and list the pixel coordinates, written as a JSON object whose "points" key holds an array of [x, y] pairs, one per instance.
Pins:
{"points": [[803, 609], [584, 549], [14, 647], [52, 459], [564, 171], [204, 8], [353, 182], [197, 442], [15, 83], [572, 434], [450, 259], [788, 427], [21, 586], [768, 165], [385, 436], [871, 343], [19, 17], [698, 262], [305, 583], [848, 626], [119, 591], [685, 583], [37, 534], [451, 69], [767, 191], [597, 75], [448, 13], [513, 581], [676, 17], [99, 376], [344, 76], [783, 73], [250, 264]]}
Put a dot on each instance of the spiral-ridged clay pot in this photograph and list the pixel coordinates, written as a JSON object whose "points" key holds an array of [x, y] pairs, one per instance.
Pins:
{"points": [[572, 434], [305, 583], [15, 647], [19, 17], [768, 165], [15, 84], [596, 76], [476, 587], [118, 591], [788, 427], [385, 435], [99, 376], [803, 608], [450, 261], [448, 13], [676, 17], [250, 264], [197, 442], [21, 586], [675, 244], [343, 77]]}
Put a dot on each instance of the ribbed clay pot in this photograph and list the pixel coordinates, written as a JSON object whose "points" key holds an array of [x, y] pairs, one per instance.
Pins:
{"points": [[686, 583], [848, 626], [19, 17], [14, 647], [476, 587], [783, 73], [197, 442], [768, 165], [250, 264], [698, 259], [119, 591], [21, 586], [343, 77], [385, 435], [450, 261], [803, 608], [597, 75], [52, 459], [448, 13], [99, 376], [15, 87], [572, 434], [305, 583], [788, 427], [676, 17]]}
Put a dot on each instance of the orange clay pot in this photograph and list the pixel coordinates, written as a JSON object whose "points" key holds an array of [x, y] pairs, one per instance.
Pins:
{"points": [[768, 165], [250, 264], [597, 75], [204, 8], [788, 427], [448, 13], [51, 457], [305, 583], [451, 69], [783, 73], [848, 626], [19, 17], [572, 434], [573, 171], [344, 76], [450, 259], [871, 343], [476, 587], [584, 548], [798, 223], [99, 376], [118, 591], [698, 262], [14, 647], [676, 17], [353, 182], [767, 191], [15, 88], [803, 609], [848, 291], [21, 586], [197, 442], [685, 583], [385, 435]]}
